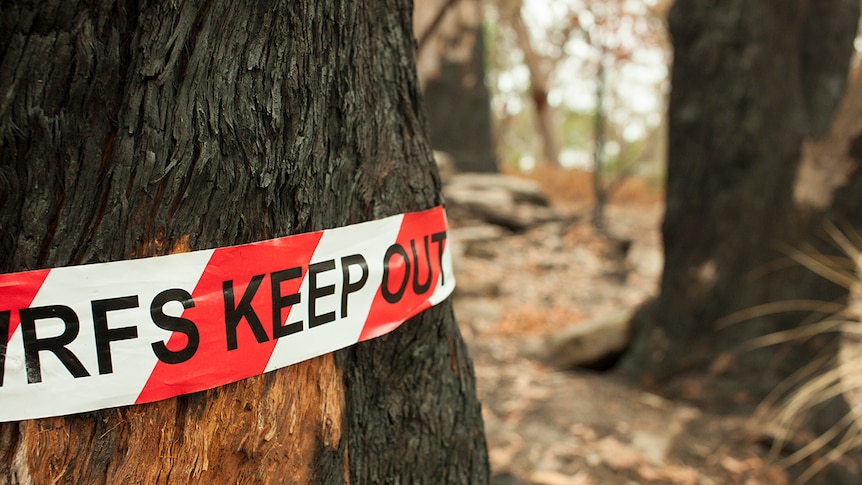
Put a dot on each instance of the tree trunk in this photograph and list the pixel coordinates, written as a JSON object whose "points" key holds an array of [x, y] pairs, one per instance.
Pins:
{"points": [[540, 74], [451, 64], [599, 189], [132, 129], [751, 82]]}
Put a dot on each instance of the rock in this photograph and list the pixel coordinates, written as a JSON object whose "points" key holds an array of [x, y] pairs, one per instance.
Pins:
{"points": [[482, 288], [653, 446], [478, 313], [521, 190], [593, 344], [550, 477], [477, 233], [503, 200], [476, 240]]}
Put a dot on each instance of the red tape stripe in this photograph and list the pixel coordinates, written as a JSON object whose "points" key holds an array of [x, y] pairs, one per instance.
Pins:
{"points": [[137, 331], [213, 362]]}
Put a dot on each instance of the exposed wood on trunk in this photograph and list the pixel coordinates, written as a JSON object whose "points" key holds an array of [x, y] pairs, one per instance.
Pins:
{"points": [[227, 434], [829, 161], [131, 129]]}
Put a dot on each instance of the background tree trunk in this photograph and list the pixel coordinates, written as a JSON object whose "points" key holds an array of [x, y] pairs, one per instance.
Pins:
{"points": [[751, 83], [541, 69], [600, 191], [451, 66], [131, 129]]}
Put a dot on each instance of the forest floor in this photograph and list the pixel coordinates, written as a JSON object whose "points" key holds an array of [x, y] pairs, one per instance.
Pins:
{"points": [[550, 426]]}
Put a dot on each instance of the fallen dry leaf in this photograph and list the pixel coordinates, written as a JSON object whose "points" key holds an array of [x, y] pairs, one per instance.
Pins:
{"points": [[734, 466], [681, 475], [618, 455]]}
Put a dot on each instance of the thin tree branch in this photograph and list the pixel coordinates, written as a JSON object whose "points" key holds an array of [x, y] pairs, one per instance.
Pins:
{"points": [[423, 39]]}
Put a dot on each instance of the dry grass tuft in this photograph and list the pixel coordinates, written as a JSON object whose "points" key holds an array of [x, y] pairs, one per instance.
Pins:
{"points": [[789, 405]]}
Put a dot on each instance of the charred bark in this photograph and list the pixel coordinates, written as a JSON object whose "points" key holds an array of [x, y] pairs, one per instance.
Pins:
{"points": [[751, 83], [130, 129], [451, 62]]}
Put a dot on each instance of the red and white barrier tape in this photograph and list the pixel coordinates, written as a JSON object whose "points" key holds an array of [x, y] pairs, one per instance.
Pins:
{"points": [[82, 338]]}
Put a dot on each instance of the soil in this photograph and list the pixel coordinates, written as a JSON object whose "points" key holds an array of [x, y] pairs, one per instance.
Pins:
{"points": [[548, 426]]}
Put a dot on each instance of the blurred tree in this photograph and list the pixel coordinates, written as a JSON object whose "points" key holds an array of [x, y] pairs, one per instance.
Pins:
{"points": [[131, 129], [753, 83], [451, 67], [541, 68], [585, 60], [614, 34]]}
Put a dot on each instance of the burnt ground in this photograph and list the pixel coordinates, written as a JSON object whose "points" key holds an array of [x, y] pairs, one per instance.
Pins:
{"points": [[549, 426]]}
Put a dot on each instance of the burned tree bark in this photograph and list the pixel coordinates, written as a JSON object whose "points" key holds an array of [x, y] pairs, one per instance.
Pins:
{"points": [[752, 82], [451, 65], [132, 129]]}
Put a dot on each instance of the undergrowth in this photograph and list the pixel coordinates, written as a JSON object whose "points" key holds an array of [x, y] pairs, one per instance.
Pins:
{"points": [[789, 405]]}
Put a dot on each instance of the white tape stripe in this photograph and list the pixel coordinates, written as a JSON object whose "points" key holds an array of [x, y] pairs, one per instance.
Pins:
{"points": [[75, 287], [444, 288], [92, 330], [370, 240]]}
